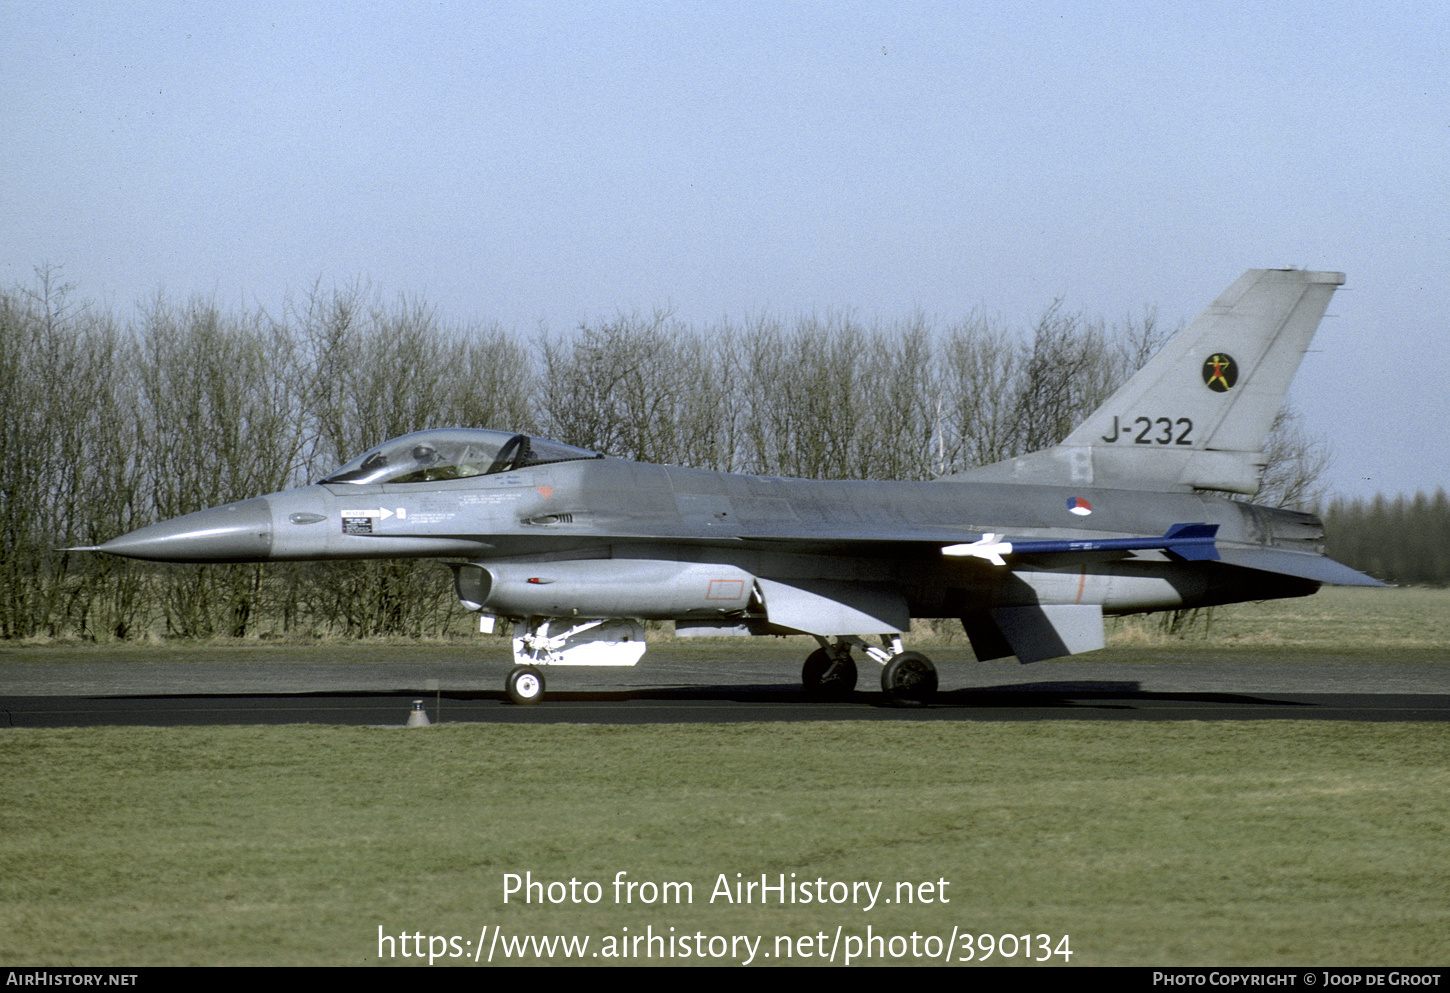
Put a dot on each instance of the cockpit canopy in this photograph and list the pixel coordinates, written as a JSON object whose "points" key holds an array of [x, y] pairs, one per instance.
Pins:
{"points": [[453, 453]]}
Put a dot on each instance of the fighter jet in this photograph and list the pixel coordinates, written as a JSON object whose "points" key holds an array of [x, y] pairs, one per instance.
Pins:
{"points": [[576, 550]]}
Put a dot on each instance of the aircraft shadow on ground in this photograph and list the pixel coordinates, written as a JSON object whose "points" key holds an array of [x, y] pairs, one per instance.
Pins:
{"points": [[1097, 694], [666, 704]]}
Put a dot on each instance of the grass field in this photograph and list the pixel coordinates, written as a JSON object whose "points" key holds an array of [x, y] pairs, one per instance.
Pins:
{"points": [[1143, 843], [1335, 618]]}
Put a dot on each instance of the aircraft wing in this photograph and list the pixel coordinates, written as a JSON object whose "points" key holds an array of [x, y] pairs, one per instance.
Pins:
{"points": [[1189, 542], [1183, 542]]}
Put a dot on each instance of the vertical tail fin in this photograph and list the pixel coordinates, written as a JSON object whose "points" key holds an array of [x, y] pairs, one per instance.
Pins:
{"points": [[1198, 414]]}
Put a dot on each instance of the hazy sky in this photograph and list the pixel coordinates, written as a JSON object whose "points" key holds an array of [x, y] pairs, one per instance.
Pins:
{"points": [[527, 163]]}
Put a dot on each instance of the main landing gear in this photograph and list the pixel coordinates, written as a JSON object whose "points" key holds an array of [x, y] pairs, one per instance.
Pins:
{"points": [[908, 678], [829, 673]]}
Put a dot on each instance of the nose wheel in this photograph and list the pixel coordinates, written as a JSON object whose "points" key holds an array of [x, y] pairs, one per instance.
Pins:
{"points": [[525, 685]]}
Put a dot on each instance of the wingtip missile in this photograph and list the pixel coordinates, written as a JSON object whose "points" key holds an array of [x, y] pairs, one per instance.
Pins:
{"points": [[1186, 542], [986, 547]]}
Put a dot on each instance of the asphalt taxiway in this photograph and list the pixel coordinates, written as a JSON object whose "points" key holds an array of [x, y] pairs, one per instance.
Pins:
{"points": [[378, 685]]}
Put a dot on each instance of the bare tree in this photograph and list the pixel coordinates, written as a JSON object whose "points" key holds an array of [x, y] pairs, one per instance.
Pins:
{"points": [[1296, 465], [979, 386], [68, 473]]}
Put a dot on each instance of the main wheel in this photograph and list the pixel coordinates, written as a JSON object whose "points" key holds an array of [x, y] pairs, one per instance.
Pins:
{"points": [[828, 678], [909, 679], [525, 685]]}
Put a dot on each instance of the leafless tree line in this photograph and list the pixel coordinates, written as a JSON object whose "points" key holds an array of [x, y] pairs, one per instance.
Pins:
{"points": [[110, 425], [1405, 540]]}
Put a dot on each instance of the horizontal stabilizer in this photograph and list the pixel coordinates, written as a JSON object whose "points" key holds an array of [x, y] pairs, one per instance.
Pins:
{"points": [[1304, 565], [1185, 542]]}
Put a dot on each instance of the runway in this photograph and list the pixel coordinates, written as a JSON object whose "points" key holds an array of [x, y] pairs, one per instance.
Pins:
{"points": [[376, 685]]}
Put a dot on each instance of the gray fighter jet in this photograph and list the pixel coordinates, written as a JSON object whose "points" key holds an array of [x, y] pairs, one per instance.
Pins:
{"points": [[575, 550]]}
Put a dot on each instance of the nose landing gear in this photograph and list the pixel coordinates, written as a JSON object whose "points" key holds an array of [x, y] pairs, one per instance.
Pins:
{"points": [[525, 685]]}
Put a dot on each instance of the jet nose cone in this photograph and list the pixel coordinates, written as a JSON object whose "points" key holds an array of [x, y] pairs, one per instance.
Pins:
{"points": [[236, 532]]}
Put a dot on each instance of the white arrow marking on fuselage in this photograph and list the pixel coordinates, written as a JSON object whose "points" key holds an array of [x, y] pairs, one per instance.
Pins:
{"points": [[382, 513]]}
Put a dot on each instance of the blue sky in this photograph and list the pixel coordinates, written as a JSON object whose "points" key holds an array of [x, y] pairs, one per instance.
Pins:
{"points": [[545, 163]]}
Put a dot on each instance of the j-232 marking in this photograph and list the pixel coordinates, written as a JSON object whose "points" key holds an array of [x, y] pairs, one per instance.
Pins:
{"points": [[1152, 431]]}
